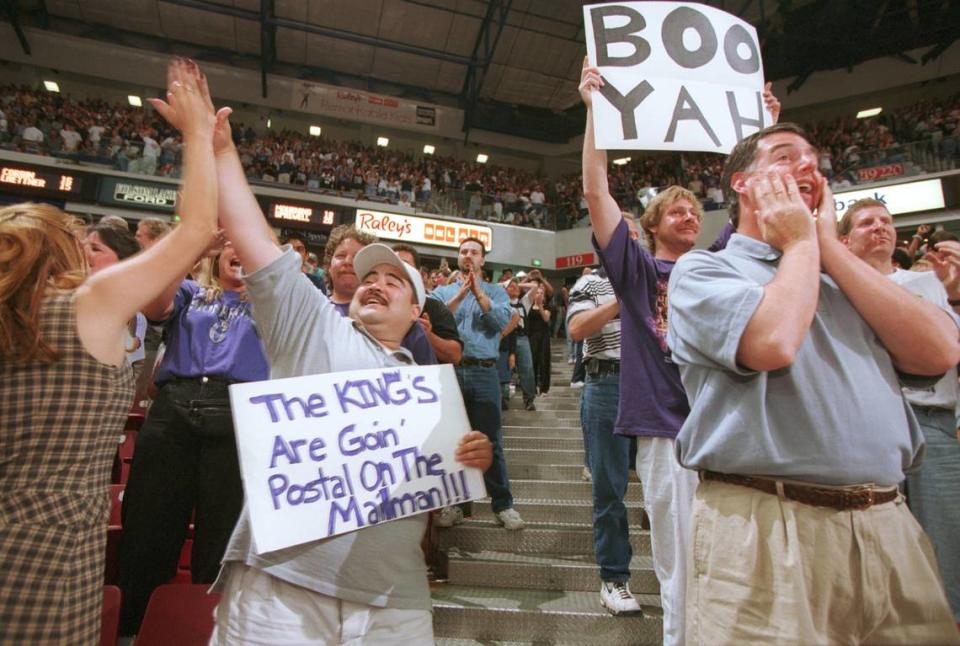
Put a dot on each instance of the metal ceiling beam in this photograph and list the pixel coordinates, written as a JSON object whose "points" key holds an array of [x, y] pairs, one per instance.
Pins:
{"points": [[490, 30], [11, 11], [901, 56], [531, 30], [937, 50], [268, 43], [296, 25], [798, 82]]}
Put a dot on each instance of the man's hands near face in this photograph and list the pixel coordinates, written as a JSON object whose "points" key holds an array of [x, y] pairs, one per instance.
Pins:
{"points": [[826, 215], [782, 215]]}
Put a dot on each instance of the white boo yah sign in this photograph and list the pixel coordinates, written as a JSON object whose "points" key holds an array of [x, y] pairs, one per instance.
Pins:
{"points": [[677, 76]]}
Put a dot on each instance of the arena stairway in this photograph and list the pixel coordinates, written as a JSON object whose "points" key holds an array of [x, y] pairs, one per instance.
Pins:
{"points": [[540, 585]]}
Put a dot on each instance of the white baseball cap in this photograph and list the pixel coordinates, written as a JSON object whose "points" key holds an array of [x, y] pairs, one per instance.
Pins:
{"points": [[380, 254]]}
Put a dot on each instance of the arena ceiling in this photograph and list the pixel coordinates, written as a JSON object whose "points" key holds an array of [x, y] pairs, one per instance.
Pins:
{"points": [[512, 65]]}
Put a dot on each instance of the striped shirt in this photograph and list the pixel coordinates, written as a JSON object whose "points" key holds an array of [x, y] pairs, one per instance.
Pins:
{"points": [[590, 292]]}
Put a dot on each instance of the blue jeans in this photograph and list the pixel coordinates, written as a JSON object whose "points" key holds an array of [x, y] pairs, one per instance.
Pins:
{"points": [[609, 460], [481, 396], [525, 368], [932, 493]]}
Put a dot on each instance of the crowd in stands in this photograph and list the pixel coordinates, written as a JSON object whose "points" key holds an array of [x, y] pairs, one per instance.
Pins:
{"points": [[925, 134]]}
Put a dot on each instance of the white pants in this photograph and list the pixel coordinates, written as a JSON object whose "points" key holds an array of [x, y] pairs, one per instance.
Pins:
{"points": [[257, 609], [668, 491]]}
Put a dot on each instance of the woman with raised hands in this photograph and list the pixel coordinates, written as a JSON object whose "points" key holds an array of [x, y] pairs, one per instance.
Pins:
{"points": [[66, 387]]}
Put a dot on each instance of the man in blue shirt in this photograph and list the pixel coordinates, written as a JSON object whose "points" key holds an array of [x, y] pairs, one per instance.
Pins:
{"points": [[482, 310], [793, 351]]}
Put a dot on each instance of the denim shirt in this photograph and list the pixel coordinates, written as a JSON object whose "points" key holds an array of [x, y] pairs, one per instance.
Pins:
{"points": [[479, 330]]}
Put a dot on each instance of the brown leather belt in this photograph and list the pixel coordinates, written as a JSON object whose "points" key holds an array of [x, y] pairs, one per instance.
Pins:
{"points": [[840, 498]]}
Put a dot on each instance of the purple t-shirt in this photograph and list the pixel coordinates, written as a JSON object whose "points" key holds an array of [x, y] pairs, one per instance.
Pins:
{"points": [[215, 339], [652, 400], [416, 341]]}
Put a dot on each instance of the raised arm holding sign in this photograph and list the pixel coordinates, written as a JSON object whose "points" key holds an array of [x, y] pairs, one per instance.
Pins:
{"points": [[374, 578], [693, 71]]}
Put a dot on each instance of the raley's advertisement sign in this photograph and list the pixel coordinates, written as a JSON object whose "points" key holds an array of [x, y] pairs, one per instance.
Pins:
{"points": [[407, 228], [925, 195]]}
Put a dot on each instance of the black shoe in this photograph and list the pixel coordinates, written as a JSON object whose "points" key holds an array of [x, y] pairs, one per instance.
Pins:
{"points": [[528, 405]]}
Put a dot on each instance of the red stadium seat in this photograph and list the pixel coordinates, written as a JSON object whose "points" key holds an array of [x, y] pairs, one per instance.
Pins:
{"points": [[183, 574], [124, 457], [134, 421], [178, 614], [116, 500], [110, 616], [127, 446]]}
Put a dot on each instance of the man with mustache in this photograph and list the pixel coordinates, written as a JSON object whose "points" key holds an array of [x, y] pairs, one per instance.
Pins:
{"points": [[367, 586], [797, 423], [867, 230], [342, 247]]}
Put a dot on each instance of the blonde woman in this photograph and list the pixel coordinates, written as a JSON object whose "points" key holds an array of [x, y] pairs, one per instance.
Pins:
{"points": [[65, 388], [185, 461]]}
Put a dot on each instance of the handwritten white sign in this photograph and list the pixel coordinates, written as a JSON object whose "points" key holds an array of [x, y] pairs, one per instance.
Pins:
{"points": [[326, 454], [678, 76]]}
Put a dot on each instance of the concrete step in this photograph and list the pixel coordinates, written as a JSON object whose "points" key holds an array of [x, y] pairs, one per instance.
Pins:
{"points": [[551, 404], [516, 404], [572, 490], [540, 418], [453, 641], [550, 617], [567, 472], [544, 443], [543, 431], [482, 533], [540, 456], [570, 572], [545, 510]]}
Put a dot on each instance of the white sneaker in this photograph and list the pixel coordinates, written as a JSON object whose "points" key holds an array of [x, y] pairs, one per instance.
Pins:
{"points": [[576, 385], [510, 519], [617, 598], [585, 475], [448, 517]]}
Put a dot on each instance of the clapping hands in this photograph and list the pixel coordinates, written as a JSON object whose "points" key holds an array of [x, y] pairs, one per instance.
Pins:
{"points": [[945, 258]]}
